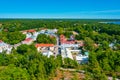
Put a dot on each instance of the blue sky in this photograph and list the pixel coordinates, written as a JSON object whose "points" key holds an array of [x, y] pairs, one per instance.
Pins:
{"points": [[60, 9]]}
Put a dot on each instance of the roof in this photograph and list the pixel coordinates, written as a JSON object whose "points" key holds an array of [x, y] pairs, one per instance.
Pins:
{"points": [[2, 44], [44, 45], [32, 30], [62, 36], [28, 39], [1, 41]]}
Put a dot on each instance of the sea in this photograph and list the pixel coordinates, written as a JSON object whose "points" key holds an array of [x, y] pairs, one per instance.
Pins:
{"points": [[116, 22]]}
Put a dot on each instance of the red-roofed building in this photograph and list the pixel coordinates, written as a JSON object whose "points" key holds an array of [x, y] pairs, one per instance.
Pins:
{"points": [[43, 47], [1, 41], [80, 42], [28, 31], [31, 30], [63, 40], [28, 41]]}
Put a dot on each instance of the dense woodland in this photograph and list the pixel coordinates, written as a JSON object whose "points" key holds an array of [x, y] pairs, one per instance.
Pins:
{"points": [[26, 64], [42, 38]]}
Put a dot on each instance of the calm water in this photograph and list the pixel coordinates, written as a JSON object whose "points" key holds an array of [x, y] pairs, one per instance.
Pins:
{"points": [[114, 22]]}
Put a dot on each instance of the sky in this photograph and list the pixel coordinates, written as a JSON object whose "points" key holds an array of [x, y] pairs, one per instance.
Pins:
{"points": [[83, 9]]}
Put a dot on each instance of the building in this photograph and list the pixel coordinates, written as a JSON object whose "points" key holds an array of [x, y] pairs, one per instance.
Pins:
{"points": [[81, 59], [63, 40], [75, 54], [28, 35], [28, 41], [48, 53], [42, 32], [16, 45], [45, 47], [28, 31], [51, 31], [31, 31], [80, 42], [5, 47]]}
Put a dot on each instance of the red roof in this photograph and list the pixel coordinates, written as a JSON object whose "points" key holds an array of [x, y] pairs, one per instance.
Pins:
{"points": [[1, 41], [63, 40], [44, 45], [28, 39], [68, 42], [32, 30]]}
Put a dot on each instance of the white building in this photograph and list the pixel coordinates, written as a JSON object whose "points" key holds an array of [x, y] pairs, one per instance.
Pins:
{"points": [[81, 58], [28, 41], [48, 53], [51, 31], [68, 50], [28, 35], [5, 47]]}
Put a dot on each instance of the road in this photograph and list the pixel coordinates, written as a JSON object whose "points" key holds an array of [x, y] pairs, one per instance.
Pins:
{"points": [[57, 50]]}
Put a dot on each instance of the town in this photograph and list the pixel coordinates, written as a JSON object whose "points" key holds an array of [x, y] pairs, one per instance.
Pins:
{"points": [[59, 50], [66, 47]]}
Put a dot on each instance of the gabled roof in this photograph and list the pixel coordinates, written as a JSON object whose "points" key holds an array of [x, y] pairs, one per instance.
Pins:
{"points": [[44, 45]]}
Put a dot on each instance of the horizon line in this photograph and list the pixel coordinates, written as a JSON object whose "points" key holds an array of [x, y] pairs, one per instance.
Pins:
{"points": [[57, 18]]}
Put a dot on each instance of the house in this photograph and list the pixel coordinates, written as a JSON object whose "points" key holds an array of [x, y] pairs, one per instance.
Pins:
{"points": [[81, 59], [63, 40], [16, 45], [28, 31], [44, 47], [42, 32], [28, 35], [9, 49], [5, 47], [31, 31], [51, 31], [68, 52], [35, 34], [33, 37], [48, 53], [27, 41], [80, 42], [2, 46]]}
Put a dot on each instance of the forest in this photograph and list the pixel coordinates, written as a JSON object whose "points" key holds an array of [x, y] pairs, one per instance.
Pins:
{"points": [[26, 63]]}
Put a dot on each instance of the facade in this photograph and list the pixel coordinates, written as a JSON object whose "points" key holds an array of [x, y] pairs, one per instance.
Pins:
{"points": [[45, 47]]}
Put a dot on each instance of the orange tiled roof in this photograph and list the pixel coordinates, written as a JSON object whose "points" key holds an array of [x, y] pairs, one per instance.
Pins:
{"points": [[44, 45], [32, 30]]}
